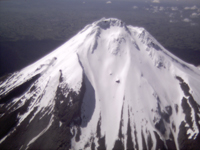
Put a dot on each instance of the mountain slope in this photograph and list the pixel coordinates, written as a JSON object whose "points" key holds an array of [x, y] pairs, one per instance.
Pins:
{"points": [[111, 86]]}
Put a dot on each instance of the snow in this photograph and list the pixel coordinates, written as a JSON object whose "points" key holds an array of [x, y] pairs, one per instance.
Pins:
{"points": [[125, 68], [122, 57]]}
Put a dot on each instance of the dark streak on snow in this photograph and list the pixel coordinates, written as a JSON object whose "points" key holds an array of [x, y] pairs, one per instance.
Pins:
{"points": [[170, 142], [176, 107], [78, 134], [136, 140], [102, 145], [101, 141], [149, 141], [173, 126], [166, 113], [187, 111], [69, 111], [87, 145], [98, 132], [159, 144], [160, 126], [93, 144], [129, 143], [119, 143]]}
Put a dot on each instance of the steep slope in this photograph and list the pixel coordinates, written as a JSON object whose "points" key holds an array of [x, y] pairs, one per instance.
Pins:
{"points": [[111, 86]]}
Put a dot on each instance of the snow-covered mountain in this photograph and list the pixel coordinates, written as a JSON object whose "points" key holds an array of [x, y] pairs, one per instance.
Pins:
{"points": [[111, 86]]}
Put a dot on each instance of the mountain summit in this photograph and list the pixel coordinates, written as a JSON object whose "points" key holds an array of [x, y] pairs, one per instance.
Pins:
{"points": [[111, 86]]}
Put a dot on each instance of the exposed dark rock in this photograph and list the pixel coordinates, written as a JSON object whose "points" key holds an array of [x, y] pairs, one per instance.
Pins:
{"points": [[52, 135], [187, 110], [129, 143], [188, 105], [165, 114], [68, 109], [176, 108], [98, 132], [87, 145], [54, 138], [78, 134], [102, 145], [120, 135], [170, 143], [149, 142], [173, 127], [92, 143], [152, 44], [118, 145], [26, 131], [118, 81], [159, 144], [160, 126], [8, 122], [185, 88], [101, 141], [179, 78]]}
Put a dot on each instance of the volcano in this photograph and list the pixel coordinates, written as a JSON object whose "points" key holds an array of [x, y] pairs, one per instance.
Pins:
{"points": [[111, 86]]}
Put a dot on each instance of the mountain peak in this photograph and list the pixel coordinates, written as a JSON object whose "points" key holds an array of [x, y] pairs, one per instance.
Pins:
{"points": [[110, 86], [107, 23]]}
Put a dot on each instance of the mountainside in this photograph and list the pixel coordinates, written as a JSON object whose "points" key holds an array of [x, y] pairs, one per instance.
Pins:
{"points": [[111, 86]]}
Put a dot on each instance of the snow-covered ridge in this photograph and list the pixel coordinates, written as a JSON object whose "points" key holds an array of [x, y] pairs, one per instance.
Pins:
{"points": [[107, 23], [110, 86]]}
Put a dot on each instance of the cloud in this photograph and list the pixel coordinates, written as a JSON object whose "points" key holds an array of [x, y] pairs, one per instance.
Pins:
{"points": [[194, 15], [108, 2], [173, 21], [171, 15], [174, 8], [135, 7], [156, 1], [193, 24], [155, 9], [187, 8], [191, 8], [161, 8], [186, 20]]}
